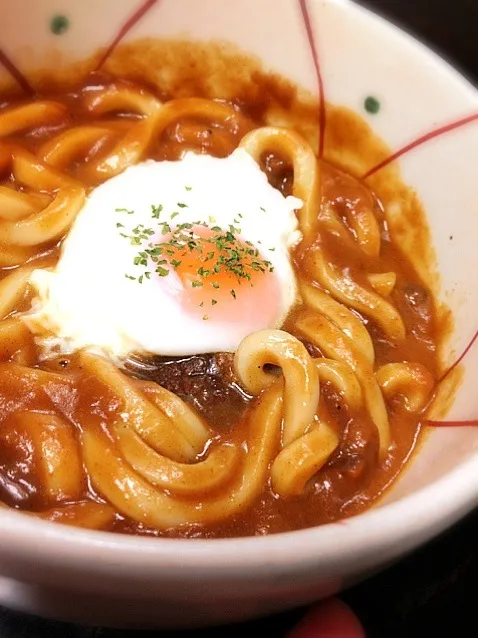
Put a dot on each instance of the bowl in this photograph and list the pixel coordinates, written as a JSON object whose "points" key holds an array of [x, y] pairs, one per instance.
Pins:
{"points": [[424, 112]]}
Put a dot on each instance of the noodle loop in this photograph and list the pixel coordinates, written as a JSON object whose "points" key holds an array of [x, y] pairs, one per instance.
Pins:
{"points": [[46, 225], [30, 116], [54, 449], [336, 345], [412, 381], [300, 375], [295, 149]]}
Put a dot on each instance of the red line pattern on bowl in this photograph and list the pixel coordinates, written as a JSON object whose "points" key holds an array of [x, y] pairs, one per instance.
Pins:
{"points": [[460, 358], [125, 29], [452, 424], [16, 73], [421, 140], [464, 422], [320, 80]]}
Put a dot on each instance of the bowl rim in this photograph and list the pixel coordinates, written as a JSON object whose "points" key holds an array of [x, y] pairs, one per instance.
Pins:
{"points": [[377, 529], [426, 511]]}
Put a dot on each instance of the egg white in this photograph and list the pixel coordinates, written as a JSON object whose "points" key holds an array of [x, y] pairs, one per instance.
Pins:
{"points": [[88, 302]]}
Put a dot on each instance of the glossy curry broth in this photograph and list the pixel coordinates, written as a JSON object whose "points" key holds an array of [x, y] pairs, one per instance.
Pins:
{"points": [[354, 476]]}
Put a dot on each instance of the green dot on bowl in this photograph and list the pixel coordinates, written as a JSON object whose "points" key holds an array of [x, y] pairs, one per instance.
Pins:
{"points": [[59, 24], [372, 105]]}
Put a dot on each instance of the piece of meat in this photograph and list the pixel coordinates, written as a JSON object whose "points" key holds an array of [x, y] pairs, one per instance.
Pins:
{"points": [[205, 381]]}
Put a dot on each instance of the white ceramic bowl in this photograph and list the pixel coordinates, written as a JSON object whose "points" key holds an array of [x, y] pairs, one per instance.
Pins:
{"points": [[104, 578]]}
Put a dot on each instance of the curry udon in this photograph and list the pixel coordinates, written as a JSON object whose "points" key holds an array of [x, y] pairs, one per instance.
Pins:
{"points": [[302, 423]]}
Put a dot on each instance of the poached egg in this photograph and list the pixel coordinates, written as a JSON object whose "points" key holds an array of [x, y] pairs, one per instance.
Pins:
{"points": [[171, 258]]}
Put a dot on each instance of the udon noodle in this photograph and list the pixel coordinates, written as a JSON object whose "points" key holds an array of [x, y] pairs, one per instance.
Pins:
{"points": [[308, 423]]}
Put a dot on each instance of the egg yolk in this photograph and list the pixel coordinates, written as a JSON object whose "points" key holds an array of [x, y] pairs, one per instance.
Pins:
{"points": [[225, 278]]}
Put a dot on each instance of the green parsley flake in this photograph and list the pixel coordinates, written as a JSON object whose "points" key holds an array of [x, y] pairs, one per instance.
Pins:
{"points": [[221, 252], [156, 211]]}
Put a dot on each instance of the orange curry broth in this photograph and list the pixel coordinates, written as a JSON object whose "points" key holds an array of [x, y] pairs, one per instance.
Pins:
{"points": [[354, 477]]}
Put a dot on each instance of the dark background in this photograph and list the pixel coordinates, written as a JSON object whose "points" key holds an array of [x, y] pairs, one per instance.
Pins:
{"points": [[431, 594]]}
